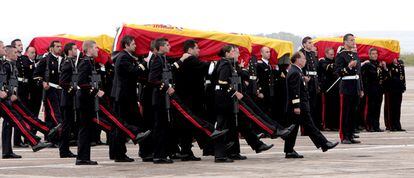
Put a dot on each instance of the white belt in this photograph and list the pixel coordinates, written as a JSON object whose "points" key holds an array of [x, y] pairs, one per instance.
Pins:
{"points": [[218, 87], [352, 77], [24, 80], [208, 82], [54, 85], [314, 73], [253, 77]]}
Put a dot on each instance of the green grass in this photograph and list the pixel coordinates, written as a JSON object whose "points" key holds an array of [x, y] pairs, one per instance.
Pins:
{"points": [[408, 59]]}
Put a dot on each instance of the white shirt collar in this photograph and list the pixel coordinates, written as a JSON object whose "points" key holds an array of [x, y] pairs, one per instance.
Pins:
{"points": [[265, 61], [298, 67]]}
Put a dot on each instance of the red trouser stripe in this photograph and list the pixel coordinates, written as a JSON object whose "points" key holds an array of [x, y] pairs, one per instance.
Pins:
{"points": [[323, 111], [19, 125], [116, 121], [256, 120], [102, 124], [188, 117], [341, 104], [30, 119], [52, 112]]}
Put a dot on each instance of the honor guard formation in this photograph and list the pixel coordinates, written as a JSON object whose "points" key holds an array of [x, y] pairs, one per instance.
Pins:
{"points": [[166, 104]]}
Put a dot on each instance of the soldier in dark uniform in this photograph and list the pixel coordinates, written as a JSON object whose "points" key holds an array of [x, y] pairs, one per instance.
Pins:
{"points": [[66, 103], [190, 89], [124, 91], [12, 118], [161, 90], [330, 99], [47, 73], [224, 100], [250, 114], [23, 91], [86, 97], [146, 147], [348, 67], [265, 82], [280, 88], [310, 71], [373, 75], [395, 87], [299, 109], [35, 90]]}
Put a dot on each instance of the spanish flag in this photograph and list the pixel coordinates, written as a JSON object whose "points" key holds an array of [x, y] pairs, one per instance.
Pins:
{"points": [[209, 42], [278, 48], [388, 49], [104, 43]]}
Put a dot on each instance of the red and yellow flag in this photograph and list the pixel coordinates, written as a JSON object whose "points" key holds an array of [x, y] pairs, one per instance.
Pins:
{"points": [[388, 49], [104, 43], [209, 42], [278, 48]]}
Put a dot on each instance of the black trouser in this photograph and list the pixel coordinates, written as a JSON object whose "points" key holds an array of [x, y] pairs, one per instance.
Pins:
{"points": [[146, 147], [6, 135], [330, 109], [245, 129], [161, 132], [263, 120], [85, 121], [348, 114], [23, 95], [222, 122], [374, 101], [392, 110], [67, 123], [127, 113], [14, 119], [314, 107], [51, 104], [305, 121]]}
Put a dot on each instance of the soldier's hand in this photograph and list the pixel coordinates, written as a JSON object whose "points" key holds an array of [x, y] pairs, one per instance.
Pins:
{"points": [[242, 63], [384, 65], [170, 91], [3, 94], [239, 95], [306, 78], [13, 98], [361, 94], [260, 95], [100, 93], [46, 85], [352, 64], [296, 111], [185, 56], [363, 63]]}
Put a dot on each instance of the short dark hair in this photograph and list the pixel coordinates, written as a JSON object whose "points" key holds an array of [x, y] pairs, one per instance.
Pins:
{"points": [[189, 44], [328, 49], [225, 49], [306, 39], [126, 40], [10, 46], [52, 44], [372, 49], [160, 42], [13, 43], [68, 47], [346, 36], [295, 56]]}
